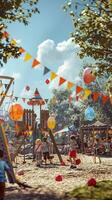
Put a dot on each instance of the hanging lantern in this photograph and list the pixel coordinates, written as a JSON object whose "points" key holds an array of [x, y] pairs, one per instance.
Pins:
{"points": [[51, 123], [16, 112], [88, 76], [89, 114]]}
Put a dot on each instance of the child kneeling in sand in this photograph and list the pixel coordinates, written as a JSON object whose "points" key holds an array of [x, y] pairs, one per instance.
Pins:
{"points": [[72, 151], [38, 152]]}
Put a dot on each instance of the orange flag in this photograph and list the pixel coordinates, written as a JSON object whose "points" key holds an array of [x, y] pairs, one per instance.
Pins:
{"points": [[35, 63], [95, 96], [105, 98], [21, 50], [69, 85], [78, 89], [61, 81]]}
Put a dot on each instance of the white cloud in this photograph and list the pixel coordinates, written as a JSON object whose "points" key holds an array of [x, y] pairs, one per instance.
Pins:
{"points": [[16, 76], [64, 55]]}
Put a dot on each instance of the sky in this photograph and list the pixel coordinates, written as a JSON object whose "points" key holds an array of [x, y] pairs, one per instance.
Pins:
{"points": [[47, 38]]}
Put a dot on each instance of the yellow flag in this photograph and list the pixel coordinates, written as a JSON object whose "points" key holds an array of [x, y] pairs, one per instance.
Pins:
{"points": [[27, 57], [53, 76], [87, 92], [13, 42], [70, 85]]}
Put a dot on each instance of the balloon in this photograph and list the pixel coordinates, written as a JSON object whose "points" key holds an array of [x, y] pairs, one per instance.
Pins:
{"points": [[51, 122], [89, 114], [91, 182], [16, 112], [59, 178], [88, 76]]}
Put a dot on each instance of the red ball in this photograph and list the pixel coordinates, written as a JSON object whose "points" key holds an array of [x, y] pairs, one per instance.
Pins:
{"points": [[59, 178], [78, 161], [88, 76], [47, 81], [91, 182]]}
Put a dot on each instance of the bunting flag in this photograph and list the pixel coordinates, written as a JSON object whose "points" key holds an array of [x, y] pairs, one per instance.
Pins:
{"points": [[6, 86], [13, 42], [23, 99], [27, 57], [95, 96], [69, 85], [5, 35], [46, 70], [53, 76], [47, 81], [78, 89], [46, 100], [87, 93], [21, 50], [104, 99], [35, 63], [16, 98], [61, 81]]}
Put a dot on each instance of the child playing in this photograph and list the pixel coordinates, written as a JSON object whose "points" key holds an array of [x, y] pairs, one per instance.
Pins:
{"points": [[46, 150], [72, 151], [3, 168], [38, 152], [96, 151]]}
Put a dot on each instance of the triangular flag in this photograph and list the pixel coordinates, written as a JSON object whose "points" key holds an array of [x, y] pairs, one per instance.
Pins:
{"points": [[46, 100], [23, 99], [21, 50], [87, 92], [53, 76], [61, 81], [105, 98], [6, 86], [35, 63], [69, 85], [47, 81], [5, 35], [36, 93], [95, 96], [16, 98], [13, 42], [46, 70], [78, 89], [27, 57]]}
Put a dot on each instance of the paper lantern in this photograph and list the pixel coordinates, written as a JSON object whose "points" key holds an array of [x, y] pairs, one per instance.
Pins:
{"points": [[91, 182], [88, 76], [59, 178], [89, 114], [51, 123], [16, 112]]}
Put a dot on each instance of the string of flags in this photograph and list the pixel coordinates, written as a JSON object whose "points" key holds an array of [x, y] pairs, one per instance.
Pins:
{"points": [[81, 93]]}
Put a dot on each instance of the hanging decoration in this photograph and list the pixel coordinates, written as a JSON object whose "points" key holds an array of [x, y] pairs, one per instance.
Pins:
{"points": [[88, 76], [89, 114], [16, 112]]}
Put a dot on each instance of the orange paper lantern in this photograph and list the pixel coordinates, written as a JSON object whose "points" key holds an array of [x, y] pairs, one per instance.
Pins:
{"points": [[88, 76], [16, 112]]}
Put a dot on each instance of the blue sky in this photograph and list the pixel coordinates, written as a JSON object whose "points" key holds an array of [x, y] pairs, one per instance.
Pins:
{"points": [[47, 38]]}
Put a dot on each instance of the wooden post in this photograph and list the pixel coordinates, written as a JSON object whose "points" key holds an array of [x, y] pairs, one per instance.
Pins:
{"points": [[55, 146]]}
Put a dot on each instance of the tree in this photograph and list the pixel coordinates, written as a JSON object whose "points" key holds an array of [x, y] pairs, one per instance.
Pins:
{"points": [[66, 112], [92, 22], [13, 11]]}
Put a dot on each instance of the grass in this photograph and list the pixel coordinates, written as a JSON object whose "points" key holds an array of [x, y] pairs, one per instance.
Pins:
{"points": [[102, 191]]}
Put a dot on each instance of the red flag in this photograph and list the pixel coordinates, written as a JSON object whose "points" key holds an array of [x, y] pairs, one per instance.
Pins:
{"points": [[105, 98], [95, 96], [78, 89], [61, 81], [35, 62]]}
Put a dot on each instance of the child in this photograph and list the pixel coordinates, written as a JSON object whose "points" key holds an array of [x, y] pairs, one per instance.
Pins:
{"points": [[72, 151], [46, 150], [96, 151], [38, 152], [3, 168]]}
